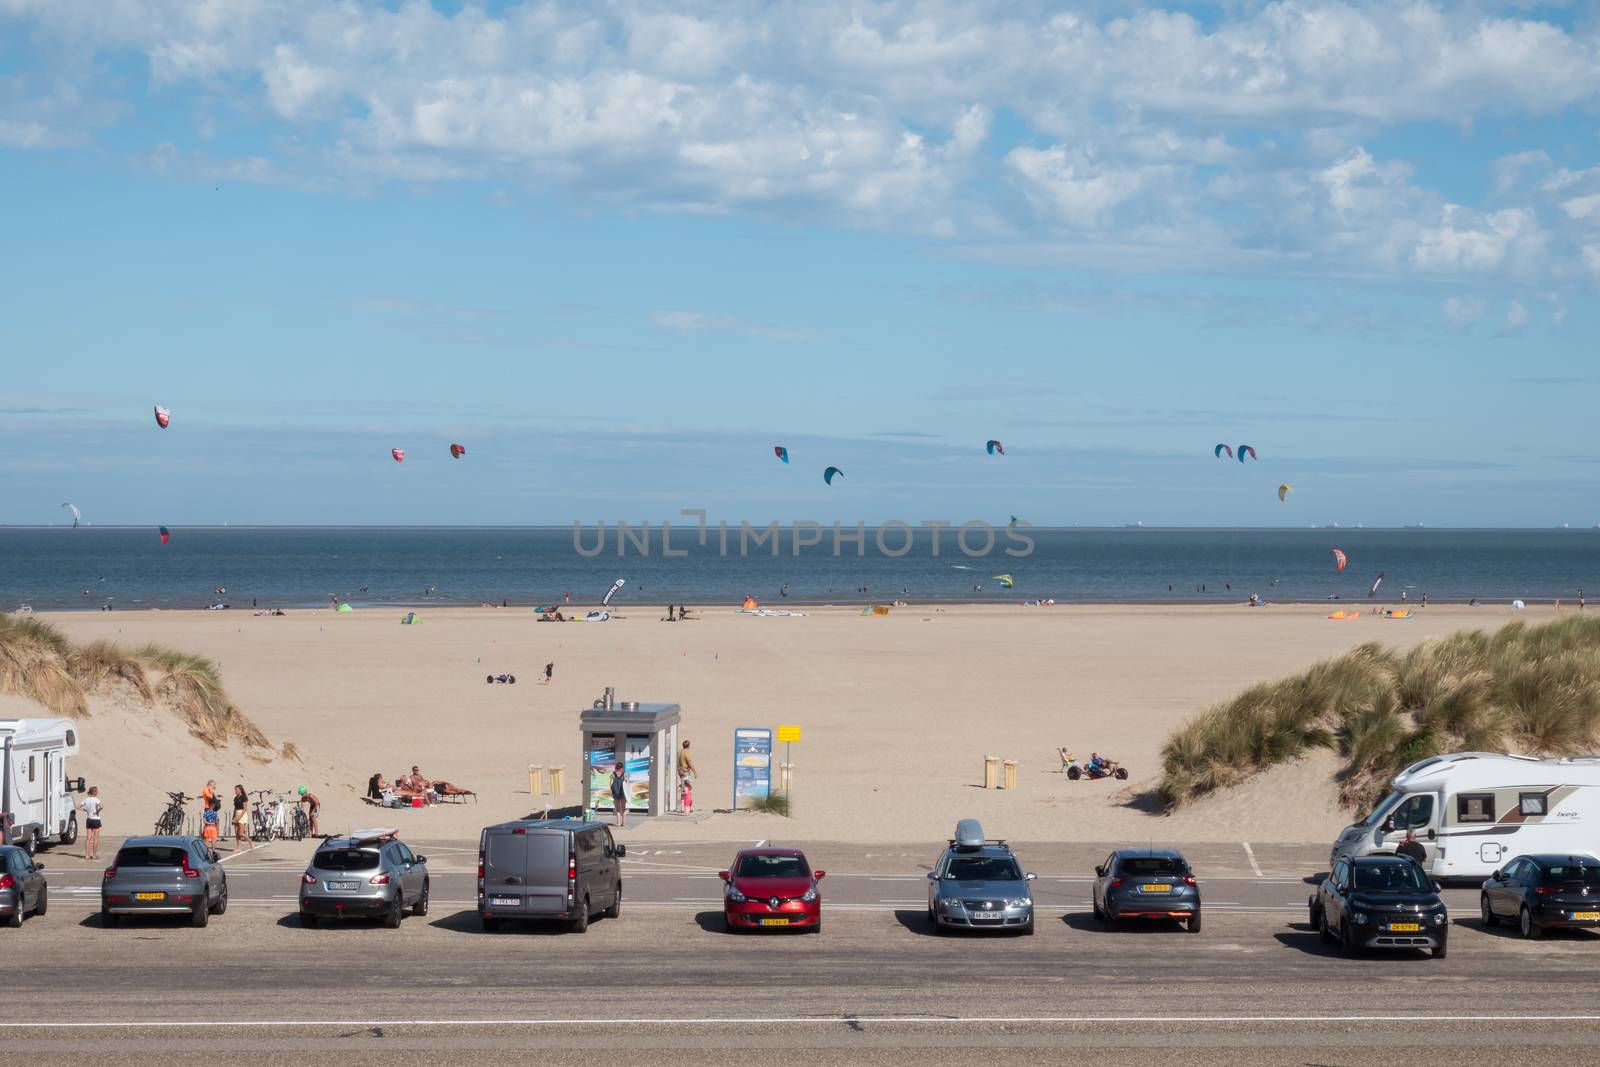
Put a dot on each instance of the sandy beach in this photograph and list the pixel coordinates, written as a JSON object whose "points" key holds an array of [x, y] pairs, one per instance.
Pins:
{"points": [[897, 712]]}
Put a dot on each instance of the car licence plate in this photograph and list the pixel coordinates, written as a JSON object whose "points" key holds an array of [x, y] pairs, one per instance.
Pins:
{"points": [[149, 896], [1156, 887], [505, 902], [1405, 928], [774, 922], [1586, 915], [334, 887], [988, 916]]}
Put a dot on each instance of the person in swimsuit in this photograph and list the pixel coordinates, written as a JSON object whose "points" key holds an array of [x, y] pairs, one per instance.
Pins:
{"points": [[314, 806]]}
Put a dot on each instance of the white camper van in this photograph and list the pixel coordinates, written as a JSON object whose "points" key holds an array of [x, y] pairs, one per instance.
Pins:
{"points": [[1473, 811], [36, 805]]}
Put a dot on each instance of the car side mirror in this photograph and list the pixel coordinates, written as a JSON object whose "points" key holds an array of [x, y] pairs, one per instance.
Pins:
{"points": [[1438, 887], [420, 859], [1496, 875], [79, 787], [1387, 826], [620, 851], [723, 875], [819, 875], [213, 857], [38, 866], [1030, 876], [933, 876], [1100, 872]]}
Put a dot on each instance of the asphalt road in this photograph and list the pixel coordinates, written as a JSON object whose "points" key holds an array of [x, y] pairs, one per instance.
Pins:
{"points": [[664, 983]]}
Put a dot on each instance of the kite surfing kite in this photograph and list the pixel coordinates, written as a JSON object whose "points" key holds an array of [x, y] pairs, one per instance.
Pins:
{"points": [[399, 454], [1220, 449], [163, 416], [1375, 583], [77, 517], [995, 447], [1012, 525], [781, 452], [457, 451], [1005, 580], [1246, 450], [828, 474], [606, 601], [166, 535], [1339, 560], [1284, 490]]}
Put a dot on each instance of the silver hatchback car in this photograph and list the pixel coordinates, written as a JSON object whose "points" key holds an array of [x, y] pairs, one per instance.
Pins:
{"points": [[23, 891], [977, 884], [164, 876], [369, 874]]}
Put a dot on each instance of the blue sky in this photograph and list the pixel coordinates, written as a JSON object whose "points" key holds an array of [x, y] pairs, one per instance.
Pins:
{"points": [[620, 251]]}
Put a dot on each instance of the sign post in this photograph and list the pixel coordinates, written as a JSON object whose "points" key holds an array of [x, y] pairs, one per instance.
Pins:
{"points": [[788, 735]]}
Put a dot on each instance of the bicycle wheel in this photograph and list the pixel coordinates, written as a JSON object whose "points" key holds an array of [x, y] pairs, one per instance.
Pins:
{"points": [[302, 825], [169, 822]]}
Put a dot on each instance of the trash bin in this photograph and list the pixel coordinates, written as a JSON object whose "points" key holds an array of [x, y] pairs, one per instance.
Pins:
{"points": [[536, 780], [1010, 781], [558, 779], [991, 772]]}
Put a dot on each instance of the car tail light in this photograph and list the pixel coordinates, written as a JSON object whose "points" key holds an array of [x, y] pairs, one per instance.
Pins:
{"points": [[1546, 890], [111, 872], [572, 875], [1116, 883], [308, 879], [480, 866], [1188, 879], [379, 879], [188, 871], [7, 882]]}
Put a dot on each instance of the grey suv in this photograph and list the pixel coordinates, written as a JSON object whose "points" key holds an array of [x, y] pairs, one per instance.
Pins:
{"points": [[164, 875], [370, 874], [977, 884]]}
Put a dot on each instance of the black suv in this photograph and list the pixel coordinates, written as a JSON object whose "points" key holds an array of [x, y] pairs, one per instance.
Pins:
{"points": [[1380, 902], [1539, 892]]}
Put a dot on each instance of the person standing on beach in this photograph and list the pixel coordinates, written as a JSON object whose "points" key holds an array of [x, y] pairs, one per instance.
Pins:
{"points": [[1580, 599], [241, 818], [686, 771], [619, 794], [92, 807], [549, 672], [313, 806]]}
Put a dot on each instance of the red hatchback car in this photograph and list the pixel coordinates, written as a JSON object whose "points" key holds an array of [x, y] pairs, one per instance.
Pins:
{"points": [[771, 888]]}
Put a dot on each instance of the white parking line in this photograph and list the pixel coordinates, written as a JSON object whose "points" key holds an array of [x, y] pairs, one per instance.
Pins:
{"points": [[1250, 854], [1297, 1021]]}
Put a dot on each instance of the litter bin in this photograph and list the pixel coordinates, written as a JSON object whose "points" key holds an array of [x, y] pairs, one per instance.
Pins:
{"points": [[558, 779], [535, 780], [991, 772], [1010, 781]]}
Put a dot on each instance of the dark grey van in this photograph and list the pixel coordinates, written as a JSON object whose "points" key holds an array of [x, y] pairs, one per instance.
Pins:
{"points": [[549, 869]]}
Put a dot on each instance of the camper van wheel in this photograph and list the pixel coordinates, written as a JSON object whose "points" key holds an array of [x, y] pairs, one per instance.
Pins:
{"points": [[69, 836], [30, 844]]}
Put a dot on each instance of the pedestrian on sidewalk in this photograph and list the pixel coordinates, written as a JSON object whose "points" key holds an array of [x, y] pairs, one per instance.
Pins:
{"points": [[619, 794]]}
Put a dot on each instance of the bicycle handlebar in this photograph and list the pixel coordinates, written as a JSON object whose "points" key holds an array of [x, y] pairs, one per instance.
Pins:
{"points": [[179, 797]]}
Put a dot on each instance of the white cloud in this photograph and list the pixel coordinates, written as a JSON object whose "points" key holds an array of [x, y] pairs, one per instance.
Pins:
{"points": [[1461, 312], [1467, 242], [1581, 207], [692, 323], [1591, 258]]}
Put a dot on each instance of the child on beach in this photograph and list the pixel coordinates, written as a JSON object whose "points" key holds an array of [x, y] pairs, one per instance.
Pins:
{"points": [[211, 824]]}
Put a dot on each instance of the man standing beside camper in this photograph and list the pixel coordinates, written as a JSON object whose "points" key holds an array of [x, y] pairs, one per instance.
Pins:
{"points": [[1413, 848]]}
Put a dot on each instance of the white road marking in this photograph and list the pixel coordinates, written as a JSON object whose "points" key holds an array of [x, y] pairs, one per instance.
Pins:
{"points": [[793, 1020], [760, 843], [1250, 854]]}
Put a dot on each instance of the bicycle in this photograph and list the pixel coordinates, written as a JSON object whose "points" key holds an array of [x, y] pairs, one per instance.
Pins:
{"points": [[269, 818], [172, 820], [300, 824]]}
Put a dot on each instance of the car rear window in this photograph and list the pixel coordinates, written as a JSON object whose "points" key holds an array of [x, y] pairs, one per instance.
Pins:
{"points": [[1145, 866], [1570, 874], [983, 869], [772, 867], [151, 856], [346, 859]]}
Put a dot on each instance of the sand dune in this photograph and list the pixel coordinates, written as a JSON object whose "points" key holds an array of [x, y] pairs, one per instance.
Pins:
{"points": [[897, 711]]}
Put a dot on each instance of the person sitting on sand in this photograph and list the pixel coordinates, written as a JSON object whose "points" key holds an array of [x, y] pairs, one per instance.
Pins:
{"points": [[375, 786]]}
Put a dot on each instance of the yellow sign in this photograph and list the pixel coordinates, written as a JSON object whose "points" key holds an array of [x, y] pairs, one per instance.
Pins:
{"points": [[788, 734]]}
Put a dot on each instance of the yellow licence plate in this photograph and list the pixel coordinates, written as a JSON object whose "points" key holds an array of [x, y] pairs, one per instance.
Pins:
{"points": [[149, 896], [1405, 928], [1586, 915], [1160, 887], [774, 922]]}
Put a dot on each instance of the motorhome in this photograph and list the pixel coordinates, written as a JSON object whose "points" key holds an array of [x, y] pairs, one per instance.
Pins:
{"points": [[1473, 811], [36, 806]]}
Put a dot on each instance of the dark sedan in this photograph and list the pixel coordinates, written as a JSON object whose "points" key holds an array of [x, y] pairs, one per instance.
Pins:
{"points": [[23, 891], [1380, 902], [1541, 892], [1146, 883]]}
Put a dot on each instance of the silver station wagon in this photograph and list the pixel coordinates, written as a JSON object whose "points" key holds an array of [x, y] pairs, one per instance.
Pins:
{"points": [[977, 884]]}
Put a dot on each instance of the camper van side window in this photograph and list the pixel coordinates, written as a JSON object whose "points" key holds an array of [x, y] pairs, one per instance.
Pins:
{"points": [[1475, 807], [31, 760], [72, 738], [1531, 803]]}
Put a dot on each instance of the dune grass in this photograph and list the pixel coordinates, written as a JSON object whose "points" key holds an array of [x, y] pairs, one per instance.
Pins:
{"points": [[39, 663], [772, 804], [1535, 689]]}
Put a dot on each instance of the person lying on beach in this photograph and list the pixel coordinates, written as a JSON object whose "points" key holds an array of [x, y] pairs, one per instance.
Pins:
{"points": [[446, 789]]}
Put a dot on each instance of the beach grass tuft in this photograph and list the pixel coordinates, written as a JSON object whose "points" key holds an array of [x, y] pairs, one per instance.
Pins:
{"points": [[772, 804], [39, 663], [1533, 688]]}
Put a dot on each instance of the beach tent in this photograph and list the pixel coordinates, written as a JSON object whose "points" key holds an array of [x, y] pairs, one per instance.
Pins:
{"points": [[750, 603], [344, 607], [411, 619]]}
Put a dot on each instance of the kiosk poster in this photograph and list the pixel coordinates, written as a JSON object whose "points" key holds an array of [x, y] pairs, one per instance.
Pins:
{"points": [[637, 767], [602, 757], [752, 763]]}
